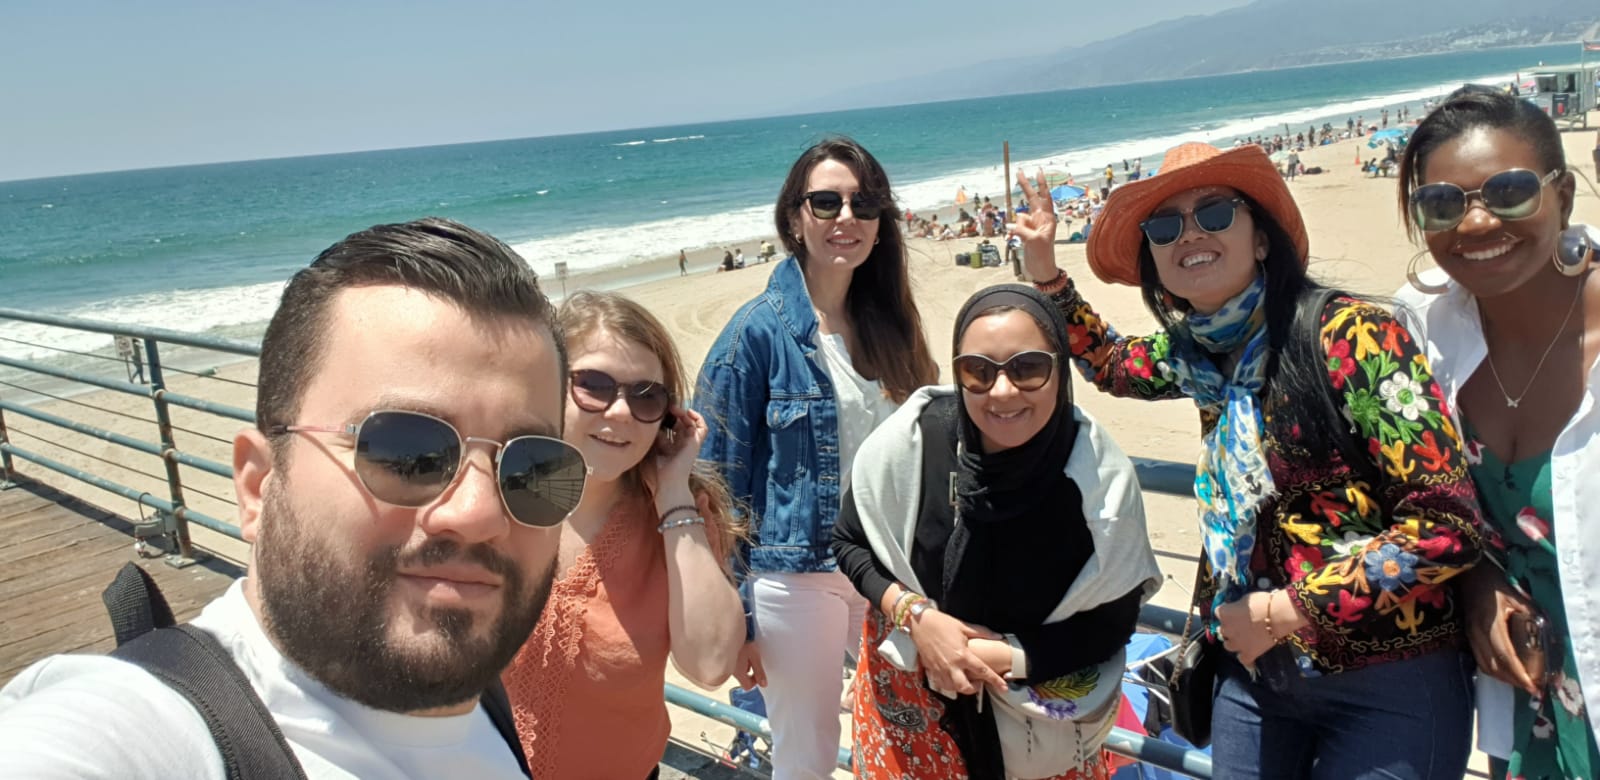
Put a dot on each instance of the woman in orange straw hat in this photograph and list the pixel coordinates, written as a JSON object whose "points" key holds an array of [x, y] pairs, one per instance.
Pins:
{"points": [[1331, 521]]}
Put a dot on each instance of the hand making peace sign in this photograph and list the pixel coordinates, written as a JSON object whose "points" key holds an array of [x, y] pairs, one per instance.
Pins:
{"points": [[1037, 228]]}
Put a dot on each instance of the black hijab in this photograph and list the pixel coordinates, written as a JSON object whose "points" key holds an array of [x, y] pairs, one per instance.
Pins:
{"points": [[1020, 538], [995, 487]]}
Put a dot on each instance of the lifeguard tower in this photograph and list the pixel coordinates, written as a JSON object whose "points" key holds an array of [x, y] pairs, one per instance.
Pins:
{"points": [[1566, 93]]}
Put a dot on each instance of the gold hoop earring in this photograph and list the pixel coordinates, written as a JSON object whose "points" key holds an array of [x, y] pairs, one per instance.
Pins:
{"points": [[1416, 281]]}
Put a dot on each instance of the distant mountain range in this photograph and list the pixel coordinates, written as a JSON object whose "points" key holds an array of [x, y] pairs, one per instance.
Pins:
{"points": [[1263, 35]]}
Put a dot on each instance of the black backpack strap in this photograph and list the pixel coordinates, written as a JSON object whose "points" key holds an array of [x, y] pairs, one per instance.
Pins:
{"points": [[498, 707], [193, 663], [136, 604]]}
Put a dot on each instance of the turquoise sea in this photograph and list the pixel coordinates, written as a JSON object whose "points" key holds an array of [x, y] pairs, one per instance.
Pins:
{"points": [[206, 248]]}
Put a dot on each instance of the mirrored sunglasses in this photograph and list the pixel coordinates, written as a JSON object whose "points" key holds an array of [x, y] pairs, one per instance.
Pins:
{"points": [[409, 459], [1510, 195]]}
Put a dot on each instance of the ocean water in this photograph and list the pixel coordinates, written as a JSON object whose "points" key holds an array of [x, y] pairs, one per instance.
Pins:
{"points": [[206, 248]]}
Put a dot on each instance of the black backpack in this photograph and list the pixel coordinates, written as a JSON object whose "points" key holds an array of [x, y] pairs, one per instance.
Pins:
{"points": [[194, 664]]}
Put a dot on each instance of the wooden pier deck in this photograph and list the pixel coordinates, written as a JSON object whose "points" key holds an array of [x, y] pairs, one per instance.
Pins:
{"points": [[57, 553]]}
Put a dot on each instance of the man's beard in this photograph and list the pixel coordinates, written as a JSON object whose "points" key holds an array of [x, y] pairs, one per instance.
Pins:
{"points": [[330, 616]]}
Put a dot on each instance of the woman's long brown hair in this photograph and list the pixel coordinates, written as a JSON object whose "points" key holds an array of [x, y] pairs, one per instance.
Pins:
{"points": [[889, 344]]}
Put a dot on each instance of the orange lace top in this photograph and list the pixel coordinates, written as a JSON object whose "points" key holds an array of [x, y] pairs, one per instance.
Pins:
{"points": [[586, 688]]}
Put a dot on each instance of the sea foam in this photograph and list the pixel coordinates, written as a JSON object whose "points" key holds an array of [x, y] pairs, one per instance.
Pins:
{"points": [[190, 311], [602, 247]]}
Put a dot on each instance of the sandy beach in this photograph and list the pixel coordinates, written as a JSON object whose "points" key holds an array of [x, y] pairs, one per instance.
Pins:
{"points": [[1357, 242]]}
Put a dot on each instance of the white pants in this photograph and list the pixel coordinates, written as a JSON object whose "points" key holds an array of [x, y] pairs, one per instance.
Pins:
{"points": [[805, 625]]}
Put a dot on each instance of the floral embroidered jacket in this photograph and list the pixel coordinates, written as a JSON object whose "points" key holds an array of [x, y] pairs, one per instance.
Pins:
{"points": [[1365, 563]]}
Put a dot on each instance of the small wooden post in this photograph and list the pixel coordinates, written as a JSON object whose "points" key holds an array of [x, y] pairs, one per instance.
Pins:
{"points": [[1006, 149]]}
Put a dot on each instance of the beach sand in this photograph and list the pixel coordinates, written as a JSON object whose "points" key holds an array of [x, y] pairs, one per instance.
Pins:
{"points": [[1357, 242]]}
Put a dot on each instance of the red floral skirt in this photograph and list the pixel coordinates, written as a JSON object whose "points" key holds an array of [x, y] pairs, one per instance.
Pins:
{"points": [[897, 733]]}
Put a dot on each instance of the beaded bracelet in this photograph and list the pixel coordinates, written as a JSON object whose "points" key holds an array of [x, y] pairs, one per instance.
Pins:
{"points": [[903, 614], [899, 602], [668, 525], [1277, 640], [1055, 285]]}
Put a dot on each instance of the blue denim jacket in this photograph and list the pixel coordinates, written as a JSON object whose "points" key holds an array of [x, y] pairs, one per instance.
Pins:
{"points": [[775, 427]]}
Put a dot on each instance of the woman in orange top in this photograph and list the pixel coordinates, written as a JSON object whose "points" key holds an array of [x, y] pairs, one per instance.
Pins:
{"points": [[639, 575]]}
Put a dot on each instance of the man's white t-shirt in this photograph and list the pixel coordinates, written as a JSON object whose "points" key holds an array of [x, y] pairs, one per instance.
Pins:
{"points": [[89, 716]]}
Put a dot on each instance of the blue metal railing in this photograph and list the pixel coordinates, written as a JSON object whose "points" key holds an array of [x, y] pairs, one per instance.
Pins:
{"points": [[173, 514]]}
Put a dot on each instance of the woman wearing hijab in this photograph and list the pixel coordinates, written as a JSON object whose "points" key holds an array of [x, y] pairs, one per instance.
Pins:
{"points": [[999, 533], [1334, 498]]}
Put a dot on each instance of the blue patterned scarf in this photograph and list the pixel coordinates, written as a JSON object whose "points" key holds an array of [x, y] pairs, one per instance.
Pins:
{"points": [[1232, 478]]}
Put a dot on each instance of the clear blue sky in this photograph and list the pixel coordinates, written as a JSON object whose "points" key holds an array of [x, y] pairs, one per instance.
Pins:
{"points": [[112, 84]]}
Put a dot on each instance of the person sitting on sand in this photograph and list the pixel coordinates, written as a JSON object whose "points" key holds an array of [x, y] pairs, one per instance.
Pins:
{"points": [[1334, 496]]}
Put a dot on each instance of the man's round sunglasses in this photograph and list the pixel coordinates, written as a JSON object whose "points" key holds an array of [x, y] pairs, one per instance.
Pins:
{"points": [[1511, 195], [595, 391], [1166, 228], [1027, 371], [826, 204], [409, 459]]}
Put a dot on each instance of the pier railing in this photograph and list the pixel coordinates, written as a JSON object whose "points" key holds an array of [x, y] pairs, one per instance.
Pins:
{"points": [[192, 447]]}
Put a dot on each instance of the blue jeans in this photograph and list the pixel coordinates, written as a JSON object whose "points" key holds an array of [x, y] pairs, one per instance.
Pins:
{"points": [[1403, 720]]}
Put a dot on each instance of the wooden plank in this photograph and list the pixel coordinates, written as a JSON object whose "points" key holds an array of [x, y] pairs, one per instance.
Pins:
{"points": [[57, 553], [15, 500], [48, 533]]}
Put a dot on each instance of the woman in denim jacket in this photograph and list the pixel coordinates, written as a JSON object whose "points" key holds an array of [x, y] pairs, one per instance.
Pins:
{"points": [[792, 386]]}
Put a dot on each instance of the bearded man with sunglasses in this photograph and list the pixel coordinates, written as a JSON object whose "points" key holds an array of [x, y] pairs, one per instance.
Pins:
{"points": [[401, 492]]}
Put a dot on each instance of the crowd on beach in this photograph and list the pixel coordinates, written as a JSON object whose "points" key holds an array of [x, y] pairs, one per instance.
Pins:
{"points": [[483, 525]]}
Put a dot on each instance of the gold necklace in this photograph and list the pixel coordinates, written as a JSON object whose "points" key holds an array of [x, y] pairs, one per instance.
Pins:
{"points": [[1489, 354]]}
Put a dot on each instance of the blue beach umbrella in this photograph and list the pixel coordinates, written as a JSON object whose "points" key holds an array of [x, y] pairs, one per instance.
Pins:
{"points": [[1386, 134], [1066, 192]]}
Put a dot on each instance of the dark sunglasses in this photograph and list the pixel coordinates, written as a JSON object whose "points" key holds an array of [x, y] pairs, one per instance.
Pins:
{"points": [[1027, 371], [410, 458], [1213, 217], [595, 391], [826, 204], [1510, 195]]}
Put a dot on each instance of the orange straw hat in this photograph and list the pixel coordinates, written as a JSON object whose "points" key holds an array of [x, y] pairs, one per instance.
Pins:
{"points": [[1114, 243]]}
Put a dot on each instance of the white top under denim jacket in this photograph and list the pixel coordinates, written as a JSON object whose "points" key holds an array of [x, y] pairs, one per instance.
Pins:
{"points": [[1451, 331]]}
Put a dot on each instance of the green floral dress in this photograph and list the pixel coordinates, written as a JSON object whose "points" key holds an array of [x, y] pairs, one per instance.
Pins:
{"points": [[1551, 737]]}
